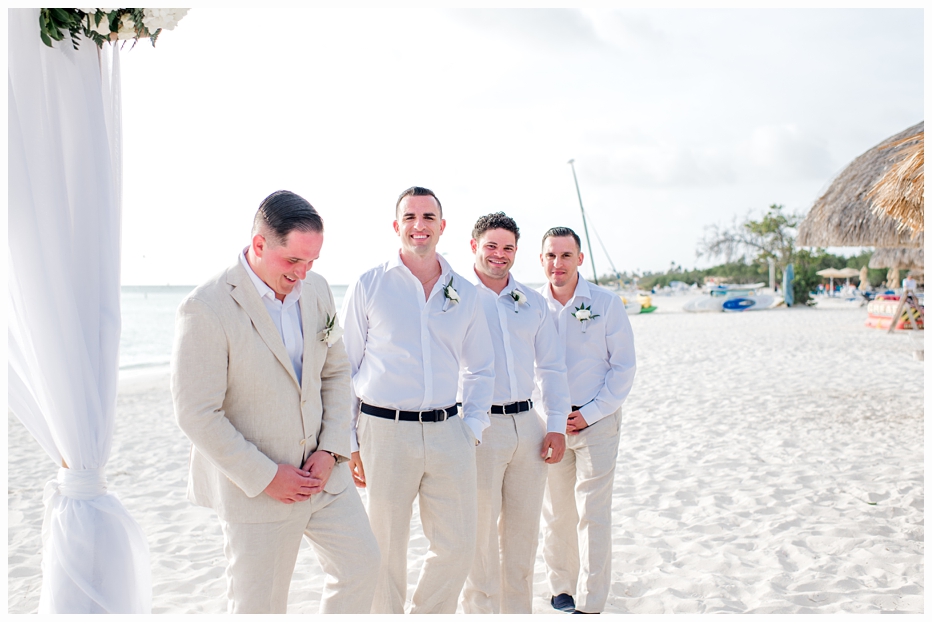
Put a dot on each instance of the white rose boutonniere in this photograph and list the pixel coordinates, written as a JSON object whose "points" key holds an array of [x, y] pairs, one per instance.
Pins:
{"points": [[332, 332], [584, 315], [450, 295], [519, 298]]}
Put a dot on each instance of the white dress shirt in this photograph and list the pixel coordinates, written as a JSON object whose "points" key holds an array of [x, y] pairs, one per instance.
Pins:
{"points": [[406, 352], [599, 353], [285, 314], [527, 350]]}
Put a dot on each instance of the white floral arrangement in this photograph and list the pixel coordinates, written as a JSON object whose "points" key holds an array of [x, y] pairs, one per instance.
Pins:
{"points": [[584, 315], [106, 25], [518, 296], [332, 332], [450, 295]]}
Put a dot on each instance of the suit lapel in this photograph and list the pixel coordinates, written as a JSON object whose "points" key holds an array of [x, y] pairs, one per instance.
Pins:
{"points": [[245, 294], [308, 302]]}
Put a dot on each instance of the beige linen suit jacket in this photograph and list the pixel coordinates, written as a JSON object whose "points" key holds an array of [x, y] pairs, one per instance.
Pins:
{"points": [[237, 397]]}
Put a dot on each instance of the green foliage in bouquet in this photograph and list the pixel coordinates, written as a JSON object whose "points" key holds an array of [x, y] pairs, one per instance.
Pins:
{"points": [[104, 26]]}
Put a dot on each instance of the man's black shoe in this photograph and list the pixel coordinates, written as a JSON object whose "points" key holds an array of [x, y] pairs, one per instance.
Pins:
{"points": [[585, 612], [563, 602]]}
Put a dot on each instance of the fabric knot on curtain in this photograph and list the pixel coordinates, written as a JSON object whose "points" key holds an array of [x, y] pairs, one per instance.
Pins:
{"points": [[78, 484]]}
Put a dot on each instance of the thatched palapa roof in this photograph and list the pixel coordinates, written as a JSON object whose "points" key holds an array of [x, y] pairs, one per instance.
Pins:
{"points": [[899, 193], [899, 258], [842, 215]]}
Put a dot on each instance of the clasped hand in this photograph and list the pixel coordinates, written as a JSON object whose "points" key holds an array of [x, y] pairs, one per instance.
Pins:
{"points": [[292, 484], [575, 423]]}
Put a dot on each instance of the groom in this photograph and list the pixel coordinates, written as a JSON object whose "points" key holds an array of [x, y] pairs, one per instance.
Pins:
{"points": [[260, 382]]}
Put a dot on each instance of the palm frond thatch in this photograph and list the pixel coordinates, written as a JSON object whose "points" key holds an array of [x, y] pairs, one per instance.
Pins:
{"points": [[899, 193], [899, 258], [842, 215]]}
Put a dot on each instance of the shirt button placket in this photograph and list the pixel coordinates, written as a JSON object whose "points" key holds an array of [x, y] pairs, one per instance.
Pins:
{"points": [[425, 355]]}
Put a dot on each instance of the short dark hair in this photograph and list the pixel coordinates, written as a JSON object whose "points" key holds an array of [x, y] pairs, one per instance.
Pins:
{"points": [[283, 212], [561, 232], [417, 191], [493, 221]]}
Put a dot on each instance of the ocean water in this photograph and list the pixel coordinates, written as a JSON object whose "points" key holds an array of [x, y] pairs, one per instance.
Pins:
{"points": [[149, 323]]}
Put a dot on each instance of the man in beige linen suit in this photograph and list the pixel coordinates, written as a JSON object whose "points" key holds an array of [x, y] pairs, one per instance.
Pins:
{"points": [[260, 382]]}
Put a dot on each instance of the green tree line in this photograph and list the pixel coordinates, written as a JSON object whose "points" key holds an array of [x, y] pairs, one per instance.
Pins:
{"points": [[748, 247]]}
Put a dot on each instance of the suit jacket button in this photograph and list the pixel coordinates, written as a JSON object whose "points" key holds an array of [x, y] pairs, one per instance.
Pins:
{"points": [[302, 442]]}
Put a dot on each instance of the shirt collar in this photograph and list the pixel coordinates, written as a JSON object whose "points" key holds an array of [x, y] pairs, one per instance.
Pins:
{"points": [[582, 288], [264, 290], [445, 269], [582, 291], [510, 287]]}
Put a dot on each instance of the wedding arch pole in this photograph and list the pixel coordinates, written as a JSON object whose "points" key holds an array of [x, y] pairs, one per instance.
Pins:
{"points": [[595, 277], [63, 306]]}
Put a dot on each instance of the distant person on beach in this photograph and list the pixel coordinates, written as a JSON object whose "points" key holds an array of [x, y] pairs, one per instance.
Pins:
{"points": [[909, 283], [521, 441], [412, 325], [593, 327], [261, 386]]}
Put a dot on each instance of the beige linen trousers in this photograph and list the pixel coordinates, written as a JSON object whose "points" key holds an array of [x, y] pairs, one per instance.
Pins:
{"points": [[237, 397], [435, 463], [578, 515], [511, 477]]}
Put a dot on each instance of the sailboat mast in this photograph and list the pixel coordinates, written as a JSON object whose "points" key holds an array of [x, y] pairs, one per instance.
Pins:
{"points": [[595, 277]]}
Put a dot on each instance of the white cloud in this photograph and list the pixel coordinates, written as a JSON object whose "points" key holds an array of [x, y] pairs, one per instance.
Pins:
{"points": [[783, 152], [676, 119], [547, 29]]}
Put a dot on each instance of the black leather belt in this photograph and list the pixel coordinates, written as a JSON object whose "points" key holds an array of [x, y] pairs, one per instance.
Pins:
{"points": [[512, 408], [425, 416]]}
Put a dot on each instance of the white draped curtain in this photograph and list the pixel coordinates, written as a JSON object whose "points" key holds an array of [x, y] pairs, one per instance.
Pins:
{"points": [[65, 178]]}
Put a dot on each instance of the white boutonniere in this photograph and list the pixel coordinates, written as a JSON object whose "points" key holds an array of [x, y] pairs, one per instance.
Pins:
{"points": [[450, 295], [332, 332], [519, 298], [584, 315]]}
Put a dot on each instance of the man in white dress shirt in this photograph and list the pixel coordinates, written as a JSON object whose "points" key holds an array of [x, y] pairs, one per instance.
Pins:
{"points": [[412, 326], [594, 328], [512, 460], [260, 384]]}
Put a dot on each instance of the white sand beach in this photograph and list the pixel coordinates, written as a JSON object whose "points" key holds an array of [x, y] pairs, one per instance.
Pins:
{"points": [[770, 462]]}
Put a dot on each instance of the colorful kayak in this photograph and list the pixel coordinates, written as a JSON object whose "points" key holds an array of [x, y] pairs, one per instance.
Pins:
{"points": [[637, 304], [732, 303], [736, 290], [705, 303], [748, 303]]}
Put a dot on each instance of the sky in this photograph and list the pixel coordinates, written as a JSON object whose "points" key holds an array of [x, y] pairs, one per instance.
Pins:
{"points": [[676, 119]]}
